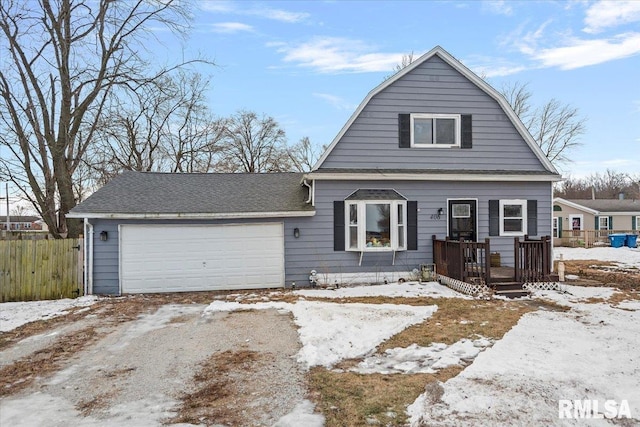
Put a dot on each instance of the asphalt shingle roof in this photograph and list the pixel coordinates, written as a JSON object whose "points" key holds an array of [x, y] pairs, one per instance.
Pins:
{"points": [[609, 205], [206, 193]]}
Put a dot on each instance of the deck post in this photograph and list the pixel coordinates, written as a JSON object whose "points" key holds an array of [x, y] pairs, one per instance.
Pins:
{"points": [[433, 248], [516, 259], [487, 262], [462, 265], [545, 257]]}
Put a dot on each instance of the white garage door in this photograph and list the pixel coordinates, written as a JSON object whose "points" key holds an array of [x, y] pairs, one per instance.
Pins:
{"points": [[173, 258]]}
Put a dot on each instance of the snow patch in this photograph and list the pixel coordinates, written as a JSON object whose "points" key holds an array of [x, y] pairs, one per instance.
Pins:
{"points": [[16, 314], [406, 289], [624, 256], [302, 415], [415, 359]]}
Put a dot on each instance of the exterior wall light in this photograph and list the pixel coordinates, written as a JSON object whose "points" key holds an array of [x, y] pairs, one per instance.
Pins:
{"points": [[296, 232], [104, 236]]}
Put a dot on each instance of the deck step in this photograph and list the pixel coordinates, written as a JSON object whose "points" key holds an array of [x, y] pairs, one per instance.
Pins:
{"points": [[512, 293], [507, 286]]}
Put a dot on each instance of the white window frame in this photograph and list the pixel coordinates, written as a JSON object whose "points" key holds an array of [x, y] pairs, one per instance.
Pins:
{"points": [[523, 204], [457, 130], [600, 226], [638, 222], [571, 218], [361, 206], [555, 229]]}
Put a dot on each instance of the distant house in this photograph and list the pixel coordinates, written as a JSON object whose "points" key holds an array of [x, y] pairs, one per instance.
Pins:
{"points": [[21, 223], [574, 217], [432, 151]]}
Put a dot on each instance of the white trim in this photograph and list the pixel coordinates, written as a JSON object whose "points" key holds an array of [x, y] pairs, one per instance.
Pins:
{"points": [[361, 226], [600, 218], [232, 215], [558, 221], [461, 68], [575, 205], [637, 222], [119, 259], [523, 205], [631, 213], [454, 117], [461, 199], [367, 277], [571, 217], [462, 176]]}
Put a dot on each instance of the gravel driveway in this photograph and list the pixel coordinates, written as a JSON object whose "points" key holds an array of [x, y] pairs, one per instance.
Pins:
{"points": [[142, 371]]}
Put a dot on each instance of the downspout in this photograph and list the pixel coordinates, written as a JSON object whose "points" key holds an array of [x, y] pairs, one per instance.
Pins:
{"points": [[88, 257], [310, 187]]}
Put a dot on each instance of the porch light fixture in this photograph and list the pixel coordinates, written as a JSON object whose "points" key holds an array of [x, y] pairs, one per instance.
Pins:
{"points": [[296, 232], [440, 211], [104, 236]]}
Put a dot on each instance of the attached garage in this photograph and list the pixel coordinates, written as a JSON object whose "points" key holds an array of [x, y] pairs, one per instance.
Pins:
{"points": [[175, 258]]}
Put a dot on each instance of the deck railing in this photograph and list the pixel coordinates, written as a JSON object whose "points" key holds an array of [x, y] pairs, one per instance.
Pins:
{"points": [[463, 260], [532, 262]]}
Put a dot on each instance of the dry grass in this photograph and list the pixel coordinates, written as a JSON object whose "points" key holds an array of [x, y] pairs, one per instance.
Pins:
{"points": [[214, 399], [23, 372], [628, 278], [350, 399]]}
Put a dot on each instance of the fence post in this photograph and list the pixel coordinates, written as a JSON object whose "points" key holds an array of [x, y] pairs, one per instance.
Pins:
{"points": [[461, 258], [433, 248]]}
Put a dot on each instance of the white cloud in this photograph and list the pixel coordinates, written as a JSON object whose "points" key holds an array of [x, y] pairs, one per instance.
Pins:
{"points": [[230, 27], [280, 15], [338, 55], [336, 101], [578, 53], [223, 6], [485, 66], [607, 14], [500, 7]]}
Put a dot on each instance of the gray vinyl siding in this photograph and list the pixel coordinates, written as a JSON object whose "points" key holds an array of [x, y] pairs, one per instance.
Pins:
{"points": [[314, 249], [433, 87], [106, 260]]}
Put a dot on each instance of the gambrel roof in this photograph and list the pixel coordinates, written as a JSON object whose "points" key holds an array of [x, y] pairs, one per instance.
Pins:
{"points": [[470, 76]]}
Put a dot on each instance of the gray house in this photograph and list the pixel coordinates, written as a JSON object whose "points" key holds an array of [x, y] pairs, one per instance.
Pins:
{"points": [[434, 150]]}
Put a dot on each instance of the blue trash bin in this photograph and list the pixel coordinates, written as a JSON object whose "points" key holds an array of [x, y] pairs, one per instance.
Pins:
{"points": [[617, 240], [632, 240]]}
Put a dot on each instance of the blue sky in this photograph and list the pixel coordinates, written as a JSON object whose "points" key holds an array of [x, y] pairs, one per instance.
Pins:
{"points": [[310, 63]]}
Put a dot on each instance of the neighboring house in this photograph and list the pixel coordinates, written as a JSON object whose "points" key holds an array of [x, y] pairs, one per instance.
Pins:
{"points": [[21, 223], [571, 217], [433, 150]]}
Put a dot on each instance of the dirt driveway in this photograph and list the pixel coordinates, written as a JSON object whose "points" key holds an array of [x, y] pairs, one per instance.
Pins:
{"points": [[146, 366]]}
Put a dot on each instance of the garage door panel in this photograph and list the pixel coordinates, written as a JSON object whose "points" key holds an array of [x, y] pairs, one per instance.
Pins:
{"points": [[191, 258]]}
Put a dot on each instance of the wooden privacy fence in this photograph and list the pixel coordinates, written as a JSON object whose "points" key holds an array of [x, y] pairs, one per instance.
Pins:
{"points": [[587, 238], [40, 269]]}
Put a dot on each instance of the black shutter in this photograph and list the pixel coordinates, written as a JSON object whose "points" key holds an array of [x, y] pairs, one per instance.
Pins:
{"points": [[338, 226], [466, 128], [412, 225], [494, 217], [532, 217], [404, 130]]}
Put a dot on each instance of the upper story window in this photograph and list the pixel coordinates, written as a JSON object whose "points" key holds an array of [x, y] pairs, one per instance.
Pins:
{"points": [[435, 130]]}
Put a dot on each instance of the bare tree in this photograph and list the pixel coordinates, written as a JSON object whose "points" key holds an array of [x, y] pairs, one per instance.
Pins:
{"points": [[554, 126], [406, 60], [303, 155], [252, 144], [63, 63], [608, 185], [166, 127]]}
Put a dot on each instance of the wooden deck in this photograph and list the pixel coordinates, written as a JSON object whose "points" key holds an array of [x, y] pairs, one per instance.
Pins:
{"points": [[502, 274]]}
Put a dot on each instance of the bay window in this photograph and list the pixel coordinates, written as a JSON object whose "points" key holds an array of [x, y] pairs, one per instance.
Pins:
{"points": [[376, 225]]}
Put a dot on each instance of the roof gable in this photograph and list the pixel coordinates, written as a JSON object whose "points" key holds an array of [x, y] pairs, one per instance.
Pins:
{"points": [[476, 81], [148, 194]]}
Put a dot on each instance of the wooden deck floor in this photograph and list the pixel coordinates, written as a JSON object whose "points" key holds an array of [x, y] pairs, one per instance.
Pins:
{"points": [[502, 273]]}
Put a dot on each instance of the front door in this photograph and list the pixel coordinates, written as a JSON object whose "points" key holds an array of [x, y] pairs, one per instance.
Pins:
{"points": [[462, 220]]}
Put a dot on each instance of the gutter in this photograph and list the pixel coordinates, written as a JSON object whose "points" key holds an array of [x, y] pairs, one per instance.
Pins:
{"points": [[232, 215]]}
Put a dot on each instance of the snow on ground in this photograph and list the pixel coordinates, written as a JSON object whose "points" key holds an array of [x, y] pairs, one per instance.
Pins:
{"points": [[568, 294], [16, 314], [590, 352], [302, 415], [624, 256], [332, 332], [415, 359], [407, 289]]}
